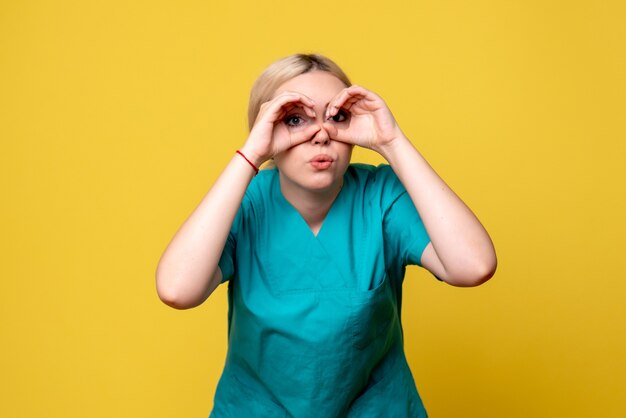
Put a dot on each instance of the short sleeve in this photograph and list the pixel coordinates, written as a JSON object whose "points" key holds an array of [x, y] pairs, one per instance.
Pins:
{"points": [[227, 259], [405, 231], [245, 223], [405, 234]]}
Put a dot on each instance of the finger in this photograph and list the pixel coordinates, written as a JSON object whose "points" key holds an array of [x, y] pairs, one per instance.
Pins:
{"points": [[330, 129], [347, 105], [274, 109], [304, 98], [295, 108], [303, 101], [346, 98], [298, 138], [336, 103], [337, 134], [294, 105], [362, 91]]}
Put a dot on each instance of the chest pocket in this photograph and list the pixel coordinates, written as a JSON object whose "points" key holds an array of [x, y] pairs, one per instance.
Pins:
{"points": [[374, 317]]}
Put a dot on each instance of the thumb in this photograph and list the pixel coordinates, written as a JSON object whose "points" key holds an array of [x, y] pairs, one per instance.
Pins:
{"points": [[303, 136], [336, 134]]}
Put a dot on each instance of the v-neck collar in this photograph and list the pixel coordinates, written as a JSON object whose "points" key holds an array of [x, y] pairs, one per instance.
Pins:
{"points": [[282, 200]]}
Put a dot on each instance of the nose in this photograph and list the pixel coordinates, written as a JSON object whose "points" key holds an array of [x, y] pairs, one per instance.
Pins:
{"points": [[321, 137]]}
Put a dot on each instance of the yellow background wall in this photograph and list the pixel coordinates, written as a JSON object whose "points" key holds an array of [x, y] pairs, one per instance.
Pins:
{"points": [[116, 116]]}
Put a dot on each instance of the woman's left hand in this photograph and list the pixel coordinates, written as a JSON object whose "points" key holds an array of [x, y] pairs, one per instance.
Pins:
{"points": [[370, 123]]}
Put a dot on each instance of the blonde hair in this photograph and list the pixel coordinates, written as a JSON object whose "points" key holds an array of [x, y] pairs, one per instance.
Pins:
{"points": [[284, 70]]}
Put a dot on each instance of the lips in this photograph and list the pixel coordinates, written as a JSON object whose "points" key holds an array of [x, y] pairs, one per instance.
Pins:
{"points": [[321, 161], [322, 158]]}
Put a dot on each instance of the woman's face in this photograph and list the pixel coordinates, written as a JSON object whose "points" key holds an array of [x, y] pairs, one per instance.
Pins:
{"points": [[319, 164]]}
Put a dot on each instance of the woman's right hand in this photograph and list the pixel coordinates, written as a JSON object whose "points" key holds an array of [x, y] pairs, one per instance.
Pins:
{"points": [[271, 134]]}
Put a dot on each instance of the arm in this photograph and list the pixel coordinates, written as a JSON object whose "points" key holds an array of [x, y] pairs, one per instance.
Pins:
{"points": [[460, 252], [188, 271]]}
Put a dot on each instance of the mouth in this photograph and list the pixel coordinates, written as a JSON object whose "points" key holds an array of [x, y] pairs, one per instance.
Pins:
{"points": [[321, 162]]}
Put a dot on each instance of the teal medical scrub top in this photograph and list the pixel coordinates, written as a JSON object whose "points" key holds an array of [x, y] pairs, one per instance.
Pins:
{"points": [[314, 321]]}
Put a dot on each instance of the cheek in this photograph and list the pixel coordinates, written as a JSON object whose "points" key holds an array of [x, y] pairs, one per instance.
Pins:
{"points": [[285, 158], [345, 150]]}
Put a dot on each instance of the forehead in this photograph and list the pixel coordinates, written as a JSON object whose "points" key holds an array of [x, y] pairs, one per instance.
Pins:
{"points": [[318, 85]]}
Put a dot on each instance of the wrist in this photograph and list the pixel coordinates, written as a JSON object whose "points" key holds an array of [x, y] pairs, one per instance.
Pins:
{"points": [[395, 147], [252, 156], [247, 160]]}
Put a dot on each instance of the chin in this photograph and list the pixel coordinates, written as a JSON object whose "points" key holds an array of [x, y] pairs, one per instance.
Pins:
{"points": [[322, 183], [311, 181], [319, 185]]}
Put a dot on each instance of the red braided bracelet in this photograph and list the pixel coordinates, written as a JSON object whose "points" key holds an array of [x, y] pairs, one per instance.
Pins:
{"points": [[256, 169]]}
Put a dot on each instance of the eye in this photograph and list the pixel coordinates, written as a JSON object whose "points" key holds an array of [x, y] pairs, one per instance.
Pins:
{"points": [[293, 120], [341, 116]]}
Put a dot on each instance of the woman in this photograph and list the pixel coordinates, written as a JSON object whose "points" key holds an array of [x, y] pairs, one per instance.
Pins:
{"points": [[315, 250]]}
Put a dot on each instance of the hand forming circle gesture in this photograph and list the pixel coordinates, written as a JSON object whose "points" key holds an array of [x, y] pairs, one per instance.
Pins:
{"points": [[371, 123], [270, 135]]}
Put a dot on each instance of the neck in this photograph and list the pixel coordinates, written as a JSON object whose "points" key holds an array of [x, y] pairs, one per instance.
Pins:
{"points": [[313, 206]]}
